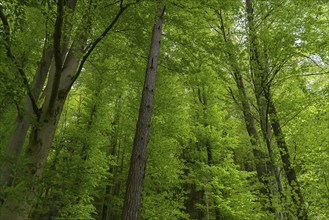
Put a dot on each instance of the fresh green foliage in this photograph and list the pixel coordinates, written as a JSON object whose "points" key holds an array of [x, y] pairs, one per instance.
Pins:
{"points": [[200, 161]]}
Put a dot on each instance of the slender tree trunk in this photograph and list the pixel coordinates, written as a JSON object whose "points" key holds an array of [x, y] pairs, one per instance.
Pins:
{"points": [[138, 158], [259, 155], [297, 195], [266, 106], [113, 190], [205, 141], [267, 135]]}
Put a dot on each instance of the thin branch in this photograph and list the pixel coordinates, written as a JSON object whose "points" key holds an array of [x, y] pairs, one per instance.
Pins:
{"points": [[264, 18], [222, 27], [313, 61], [11, 56], [92, 46], [181, 6], [314, 74], [113, 3], [233, 96], [275, 72], [288, 120]]}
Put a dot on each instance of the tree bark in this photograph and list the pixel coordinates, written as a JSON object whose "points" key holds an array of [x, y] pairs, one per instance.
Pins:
{"points": [[136, 174], [22, 124], [29, 104], [259, 156], [113, 190], [266, 107], [297, 195], [59, 85]]}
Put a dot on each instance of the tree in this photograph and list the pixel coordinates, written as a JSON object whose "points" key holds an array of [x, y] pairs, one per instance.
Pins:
{"points": [[239, 119], [68, 64], [262, 84], [138, 157]]}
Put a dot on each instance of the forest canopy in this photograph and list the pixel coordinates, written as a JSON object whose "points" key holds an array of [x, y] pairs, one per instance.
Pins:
{"points": [[164, 109]]}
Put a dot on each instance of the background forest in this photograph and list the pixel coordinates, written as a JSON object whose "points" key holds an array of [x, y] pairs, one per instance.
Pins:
{"points": [[240, 121]]}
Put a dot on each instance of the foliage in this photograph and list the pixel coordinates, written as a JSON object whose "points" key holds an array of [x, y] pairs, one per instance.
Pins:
{"points": [[200, 163]]}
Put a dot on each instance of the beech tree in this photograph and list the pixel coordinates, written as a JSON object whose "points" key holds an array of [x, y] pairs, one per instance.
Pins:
{"points": [[237, 128]]}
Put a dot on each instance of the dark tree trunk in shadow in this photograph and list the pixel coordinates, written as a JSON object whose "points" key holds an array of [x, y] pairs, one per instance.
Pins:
{"points": [[291, 176]]}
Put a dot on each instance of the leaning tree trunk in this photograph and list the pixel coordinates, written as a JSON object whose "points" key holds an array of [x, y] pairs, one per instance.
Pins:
{"points": [[136, 174], [59, 84], [297, 195], [266, 107], [29, 105], [22, 123], [259, 156]]}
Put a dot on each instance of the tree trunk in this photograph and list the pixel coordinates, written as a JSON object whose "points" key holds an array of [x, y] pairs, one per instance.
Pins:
{"points": [[267, 135], [37, 151], [113, 190], [138, 158], [259, 155], [266, 107], [297, 195], [22, 124], [40, 140], [68, 67]]}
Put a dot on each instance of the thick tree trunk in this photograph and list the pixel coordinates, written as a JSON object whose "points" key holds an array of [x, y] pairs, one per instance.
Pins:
{"points": [[37, 151], [67, 69], [22, 124], [138, 158], [40, 140]]}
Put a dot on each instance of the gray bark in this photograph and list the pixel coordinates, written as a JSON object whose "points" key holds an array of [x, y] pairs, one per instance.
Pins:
{"points": [[22, 124], [59, 85]]}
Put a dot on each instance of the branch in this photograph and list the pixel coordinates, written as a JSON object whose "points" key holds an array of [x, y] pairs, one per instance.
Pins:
{"points": [[222, 27], [186, 8], [58, 35], [313, 61], [288, 120], [11, 56], [92, 46], [314, 74], [113, 3], [234, 99], [275, 72]]}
